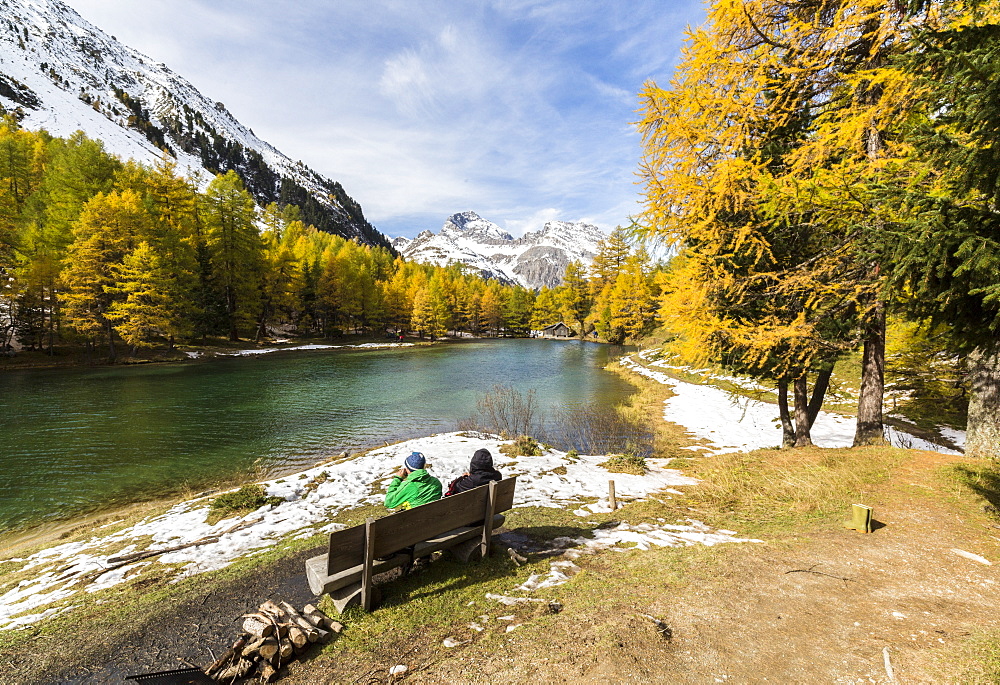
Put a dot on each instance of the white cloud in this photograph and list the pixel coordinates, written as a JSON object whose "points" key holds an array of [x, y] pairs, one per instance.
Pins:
{"points": [[536, 221], [404, 81], [449, 38]]}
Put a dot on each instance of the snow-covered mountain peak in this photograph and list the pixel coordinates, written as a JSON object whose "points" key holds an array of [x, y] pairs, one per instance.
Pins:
{"points": [[536, 259], [61, 73], [471, 226], [564, 234]]}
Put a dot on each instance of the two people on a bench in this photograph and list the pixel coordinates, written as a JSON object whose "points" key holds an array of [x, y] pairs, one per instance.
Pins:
{"points": [[412, 485]]}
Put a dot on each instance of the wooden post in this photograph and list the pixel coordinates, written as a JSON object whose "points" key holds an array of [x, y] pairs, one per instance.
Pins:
{"points": [[484, 545], [366, 567], [611, 495]]}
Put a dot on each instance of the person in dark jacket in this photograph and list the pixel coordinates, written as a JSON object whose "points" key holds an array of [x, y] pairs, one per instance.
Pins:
{"points": [[480, 472]]}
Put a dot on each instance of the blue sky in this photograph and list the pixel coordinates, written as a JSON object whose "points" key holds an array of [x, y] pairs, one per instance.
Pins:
{"points": [[519, 110]]}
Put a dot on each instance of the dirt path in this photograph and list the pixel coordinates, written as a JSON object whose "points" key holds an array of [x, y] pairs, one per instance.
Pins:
{"points": [[771, 620]]}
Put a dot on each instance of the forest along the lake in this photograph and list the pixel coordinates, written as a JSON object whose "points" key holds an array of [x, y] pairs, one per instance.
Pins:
{"points": [[79, 440]]}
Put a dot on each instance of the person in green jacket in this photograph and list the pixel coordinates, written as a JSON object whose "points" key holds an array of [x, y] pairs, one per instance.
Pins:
{"points": [[412, 485]]}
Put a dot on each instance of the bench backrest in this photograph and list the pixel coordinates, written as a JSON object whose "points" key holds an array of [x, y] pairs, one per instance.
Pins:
{"points": [[410, 526]]}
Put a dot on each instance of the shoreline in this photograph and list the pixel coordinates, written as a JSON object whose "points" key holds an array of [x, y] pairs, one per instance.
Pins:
{"points": [[60, 528], [51, 530], [75, 358]]}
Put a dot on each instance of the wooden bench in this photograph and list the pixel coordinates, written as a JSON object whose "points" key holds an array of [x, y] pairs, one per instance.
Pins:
{"points": [[461, 523]]}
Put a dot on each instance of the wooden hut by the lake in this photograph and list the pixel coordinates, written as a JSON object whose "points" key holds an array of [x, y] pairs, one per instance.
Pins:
{"points": [[556, 330]]}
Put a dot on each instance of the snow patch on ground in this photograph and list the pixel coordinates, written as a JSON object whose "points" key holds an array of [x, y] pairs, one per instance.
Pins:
{"points": [[624, 537], [954, 435], [311, 498], [731, 423]]}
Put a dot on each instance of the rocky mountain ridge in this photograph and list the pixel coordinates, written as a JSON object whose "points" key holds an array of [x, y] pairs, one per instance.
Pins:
{"points": [[61, 73], [536, 259]]}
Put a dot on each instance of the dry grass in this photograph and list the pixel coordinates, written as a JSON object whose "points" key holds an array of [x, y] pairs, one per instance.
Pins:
{"points": [[523, 446], [789, 486], [980, 657], [625, 463]]}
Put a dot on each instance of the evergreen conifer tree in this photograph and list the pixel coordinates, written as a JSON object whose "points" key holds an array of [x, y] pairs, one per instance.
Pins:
{"points": [[235, 250]]}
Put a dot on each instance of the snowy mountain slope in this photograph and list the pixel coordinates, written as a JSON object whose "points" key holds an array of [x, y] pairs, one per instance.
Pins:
{"points": [[61, 73], [538, 258]]}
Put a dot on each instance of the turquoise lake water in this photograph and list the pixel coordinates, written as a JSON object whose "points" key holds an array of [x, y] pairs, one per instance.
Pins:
{"points": [[79, 440]]}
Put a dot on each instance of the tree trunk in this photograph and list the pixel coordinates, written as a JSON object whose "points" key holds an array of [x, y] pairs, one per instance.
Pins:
{"points": [[234, 334], [818, 393], [983, 436], [787, 429], [262, 324], [112, 353], [51, 330], [870, 430], [802, 437]]}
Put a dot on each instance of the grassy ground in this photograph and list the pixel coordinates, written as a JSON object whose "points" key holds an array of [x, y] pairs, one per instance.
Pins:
{"points": [[795, 500]]}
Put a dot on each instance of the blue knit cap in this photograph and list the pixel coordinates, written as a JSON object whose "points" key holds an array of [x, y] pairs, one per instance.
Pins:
{"points": [[415, 461]]}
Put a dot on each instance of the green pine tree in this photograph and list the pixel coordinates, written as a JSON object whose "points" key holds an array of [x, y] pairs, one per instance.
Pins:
{"points": [[235, 250]]}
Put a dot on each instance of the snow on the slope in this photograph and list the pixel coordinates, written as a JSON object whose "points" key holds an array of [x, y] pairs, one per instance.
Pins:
{"points": [[311, 499], [952, 434], [48, 47], [739, 424], [621, 538]]}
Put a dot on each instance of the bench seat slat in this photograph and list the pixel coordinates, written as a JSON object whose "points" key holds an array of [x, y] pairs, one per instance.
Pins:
{"points": [[321, 582]]}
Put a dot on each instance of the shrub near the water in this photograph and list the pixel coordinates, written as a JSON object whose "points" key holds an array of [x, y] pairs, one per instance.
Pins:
{"points": [[248, 497], [524, 446]]}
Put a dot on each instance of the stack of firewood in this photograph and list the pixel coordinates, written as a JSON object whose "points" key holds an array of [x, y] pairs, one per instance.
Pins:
{"points": [[272, 636]]}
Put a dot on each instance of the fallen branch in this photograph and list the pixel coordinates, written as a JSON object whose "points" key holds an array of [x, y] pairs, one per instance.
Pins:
{"points": [[661, 627], [515, 557], [818, 573]]}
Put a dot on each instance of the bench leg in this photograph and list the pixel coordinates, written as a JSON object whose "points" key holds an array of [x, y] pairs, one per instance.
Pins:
{"points": [[487, 539], [346, 597], [465, 551], [367, 599]]}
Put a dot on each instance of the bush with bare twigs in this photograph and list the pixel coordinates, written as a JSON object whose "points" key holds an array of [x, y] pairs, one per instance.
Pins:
{"points": [[506, 411], [595, 429]]}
